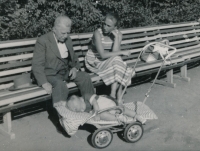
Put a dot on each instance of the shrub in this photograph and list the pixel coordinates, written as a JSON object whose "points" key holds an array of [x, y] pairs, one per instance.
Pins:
{"points": [[31, 18]]}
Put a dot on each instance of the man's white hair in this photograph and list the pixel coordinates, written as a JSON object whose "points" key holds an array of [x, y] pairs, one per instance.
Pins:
{"points": [[63, 21]]}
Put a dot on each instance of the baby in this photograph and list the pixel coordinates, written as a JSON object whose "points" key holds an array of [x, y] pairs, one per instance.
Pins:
{"points": [[95, 103]]}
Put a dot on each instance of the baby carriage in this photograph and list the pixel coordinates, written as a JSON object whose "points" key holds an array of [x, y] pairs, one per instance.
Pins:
{"points": [[132, 129]]}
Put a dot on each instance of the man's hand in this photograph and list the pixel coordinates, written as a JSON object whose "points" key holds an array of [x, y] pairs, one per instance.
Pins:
{"points": [[72, 73], [48, 87]]}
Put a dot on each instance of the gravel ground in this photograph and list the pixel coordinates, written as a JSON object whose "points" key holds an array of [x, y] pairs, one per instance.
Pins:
{"points": [[176, 129]]}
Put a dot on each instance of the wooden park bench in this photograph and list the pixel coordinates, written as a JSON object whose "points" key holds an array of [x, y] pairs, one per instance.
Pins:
{"points": [[16, 56]]}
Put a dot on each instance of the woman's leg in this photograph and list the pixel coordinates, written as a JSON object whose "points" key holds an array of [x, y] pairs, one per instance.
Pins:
{"points": [[114, 87], [119, 93]]}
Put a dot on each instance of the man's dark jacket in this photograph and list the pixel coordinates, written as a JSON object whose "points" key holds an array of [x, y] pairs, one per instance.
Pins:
{"points": [[47, 60]]}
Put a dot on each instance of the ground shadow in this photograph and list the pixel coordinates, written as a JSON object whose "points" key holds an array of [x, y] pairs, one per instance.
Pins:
{"points": [[89, 140], [53, 117]]}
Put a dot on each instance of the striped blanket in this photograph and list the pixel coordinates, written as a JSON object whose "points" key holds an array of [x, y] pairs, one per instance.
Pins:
{"points": [[71, 121]]}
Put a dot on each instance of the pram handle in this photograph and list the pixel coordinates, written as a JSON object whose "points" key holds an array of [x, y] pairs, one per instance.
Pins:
{"points": [[120, 108]]}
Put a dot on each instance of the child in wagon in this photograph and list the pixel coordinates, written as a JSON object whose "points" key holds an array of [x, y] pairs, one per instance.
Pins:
{"points": [[95, 103]]}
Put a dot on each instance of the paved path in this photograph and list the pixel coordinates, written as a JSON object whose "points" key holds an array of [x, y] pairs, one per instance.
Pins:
{"points": [[177, 127]]}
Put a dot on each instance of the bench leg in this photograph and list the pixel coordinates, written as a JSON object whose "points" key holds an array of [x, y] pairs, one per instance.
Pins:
{"points": [[6, 127], [183, 75], [169, 81]]}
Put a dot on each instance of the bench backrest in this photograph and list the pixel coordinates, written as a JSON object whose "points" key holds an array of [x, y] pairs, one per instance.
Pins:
{"points": [[182, 36], [16, 55]]}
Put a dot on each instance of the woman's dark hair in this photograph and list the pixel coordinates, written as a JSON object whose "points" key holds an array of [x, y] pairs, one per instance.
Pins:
{"points": [[113, 16]]}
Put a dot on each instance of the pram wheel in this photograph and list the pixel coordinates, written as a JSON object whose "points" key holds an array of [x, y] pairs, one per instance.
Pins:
{"points": [[101, 138], [133, 132]]}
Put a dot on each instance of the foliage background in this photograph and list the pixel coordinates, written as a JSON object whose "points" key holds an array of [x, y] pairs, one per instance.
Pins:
{"points": [[31, 18]]}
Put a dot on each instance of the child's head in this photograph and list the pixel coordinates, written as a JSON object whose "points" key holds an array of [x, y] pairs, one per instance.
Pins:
{"points": [[76, 104]]}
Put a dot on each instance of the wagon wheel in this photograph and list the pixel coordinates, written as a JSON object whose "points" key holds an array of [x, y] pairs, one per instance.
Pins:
{"points": [[133, 132], [101, 138]]}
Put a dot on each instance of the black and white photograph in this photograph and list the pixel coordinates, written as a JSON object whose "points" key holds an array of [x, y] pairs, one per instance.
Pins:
{"points": [[109, 75]]}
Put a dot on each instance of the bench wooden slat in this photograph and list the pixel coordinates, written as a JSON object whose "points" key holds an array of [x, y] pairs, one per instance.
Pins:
{"points": [[184, 41], [184, 33], [14, 71], [17, 57], [5, 86], [17, 44], [74, 43], [179, 29], [191, 55], [22, 96], [160, 32], [175, 38], [141, 45], [186, 48], [24, 103], [187, 52], [16, 50], [140, 39], [179, 46], [85, 42], [73, 36], [15, 64], [8, 93], [156, 37], [10, 78], [24, 42], [77, 48], [138, 35], [167, 26], [85, 35]]}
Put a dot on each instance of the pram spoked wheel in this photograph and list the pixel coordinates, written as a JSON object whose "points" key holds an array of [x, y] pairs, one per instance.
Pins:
{"points": [[133, 132], [101, 138]]}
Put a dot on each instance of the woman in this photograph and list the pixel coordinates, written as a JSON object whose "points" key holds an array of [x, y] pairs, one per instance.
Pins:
{"points": [[103, 56]]}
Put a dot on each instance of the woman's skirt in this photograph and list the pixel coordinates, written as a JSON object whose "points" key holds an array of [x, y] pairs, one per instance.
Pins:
{"points": [[111, 70]]}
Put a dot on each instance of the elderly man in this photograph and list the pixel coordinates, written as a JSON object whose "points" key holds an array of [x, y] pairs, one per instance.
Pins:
{"points": [[55, 62]]}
